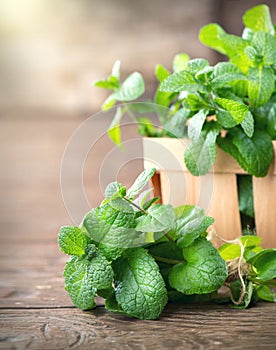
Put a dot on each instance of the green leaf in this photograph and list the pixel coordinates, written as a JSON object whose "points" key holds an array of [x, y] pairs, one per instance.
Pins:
{"points": [[181, 81], [108, 103], [72, 240], [265, 117], [114, 131], [139, 287], [191, 222], [161, 73], [84, 277], [265, 293], [166, 252], [132, 88], [203, 272], [265, 264], [78, 283], [245, 191], [116, 70], [196, 124], [121, 205], [114, 190], [141, 181], [237, 112], [257, 151], [197, 64], [229, 251], [248, 125], [160, 217], [201, 153], [265, 45], [111, 227], [250, 241], [212, 35], [176, 125], [261, 82], [258, 19], [236, 289], [180, 62]]}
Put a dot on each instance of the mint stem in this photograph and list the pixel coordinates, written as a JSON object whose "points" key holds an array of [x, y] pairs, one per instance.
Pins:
{"points": [[135, 205]]}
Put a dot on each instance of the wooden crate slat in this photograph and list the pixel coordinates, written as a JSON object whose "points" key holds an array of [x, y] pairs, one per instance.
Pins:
{"points": [[264, 190]]}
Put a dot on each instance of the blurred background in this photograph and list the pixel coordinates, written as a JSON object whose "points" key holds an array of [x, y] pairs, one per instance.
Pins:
{"points": [[51, 51]]}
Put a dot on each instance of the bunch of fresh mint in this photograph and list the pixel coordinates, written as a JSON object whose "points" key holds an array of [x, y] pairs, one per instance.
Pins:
{"points": [[137, 254], [231, 104]]}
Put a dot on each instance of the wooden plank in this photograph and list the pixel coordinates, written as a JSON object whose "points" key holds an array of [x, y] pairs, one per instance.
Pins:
{"points": [[180, 327], [224, 206], [264, 190]]}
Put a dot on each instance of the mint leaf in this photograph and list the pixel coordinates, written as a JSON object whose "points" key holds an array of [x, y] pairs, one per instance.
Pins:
{"points": [[180, 62], [196, 124], [166, 252], [139, 288], [84, 277], [229, 251], [191, 222], [261, 82], [265, 264], [181, 81], [265, 293], [258, 19], [132, 88], [111, 227], [265, 117], [248, 125], [203, 272], [78, 283], [114, 131], [114, 190], [265, 45], [236, 290], [160, 217], [161, 73], [141, 181], [176, 125], [201, 153], [72, 240], [257, 151], [196, 64], [237, 112]]}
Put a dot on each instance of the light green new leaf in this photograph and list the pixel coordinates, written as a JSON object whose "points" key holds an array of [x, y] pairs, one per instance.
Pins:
{"points": [[181, 81], [203, 272], [141, 181], [236, 109], [116, 70], [132, 88], [160, 217], [161, 73], [114, 131], [139, 287], [265, 45], [180, 62], [258, 19], [229, 251], [191, 222], [260, 85], [72, 240]]}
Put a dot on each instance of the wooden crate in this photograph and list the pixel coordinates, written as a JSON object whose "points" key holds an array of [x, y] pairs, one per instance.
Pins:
{"points": [[215, 192]]}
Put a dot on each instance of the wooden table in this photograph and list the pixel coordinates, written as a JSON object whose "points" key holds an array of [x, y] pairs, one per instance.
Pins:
{"points": [[36, 312]]}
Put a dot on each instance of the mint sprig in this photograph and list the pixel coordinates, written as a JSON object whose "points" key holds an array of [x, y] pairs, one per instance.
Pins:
{"points": [[137, 254]]}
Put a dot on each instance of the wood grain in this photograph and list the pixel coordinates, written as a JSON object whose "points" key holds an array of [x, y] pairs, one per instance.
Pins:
{"points": [[180, 327]]}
